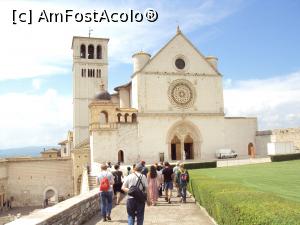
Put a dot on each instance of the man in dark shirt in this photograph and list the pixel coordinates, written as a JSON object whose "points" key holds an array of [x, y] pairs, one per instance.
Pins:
{"points": [[168, 179]]}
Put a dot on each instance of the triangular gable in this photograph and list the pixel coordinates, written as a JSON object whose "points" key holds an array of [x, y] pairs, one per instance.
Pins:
{"points": [[179, 45]]}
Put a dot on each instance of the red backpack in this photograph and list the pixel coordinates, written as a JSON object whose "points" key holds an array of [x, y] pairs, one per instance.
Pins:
{"points": [[104, 184]]}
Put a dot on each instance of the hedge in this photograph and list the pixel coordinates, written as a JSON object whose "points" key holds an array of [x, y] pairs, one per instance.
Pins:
{"points": [[233, 204], [279, 158], [199, 165]]}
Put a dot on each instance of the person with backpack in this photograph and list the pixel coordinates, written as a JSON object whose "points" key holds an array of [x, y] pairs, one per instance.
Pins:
{"points": [[168, 179], [106, 180], [118, 176], [183, 180], [136, 186], [175, 170]]}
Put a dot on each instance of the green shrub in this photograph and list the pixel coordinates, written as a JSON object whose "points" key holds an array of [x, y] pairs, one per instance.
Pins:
{"points": [[233, 204], [199, 165], [279, 158]]}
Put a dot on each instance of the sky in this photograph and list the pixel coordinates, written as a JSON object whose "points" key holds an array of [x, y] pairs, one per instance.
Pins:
{"points": [[256, 42]]}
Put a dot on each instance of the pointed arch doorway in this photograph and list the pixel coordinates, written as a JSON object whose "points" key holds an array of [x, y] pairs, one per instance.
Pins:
{"points": [[184, 141]]}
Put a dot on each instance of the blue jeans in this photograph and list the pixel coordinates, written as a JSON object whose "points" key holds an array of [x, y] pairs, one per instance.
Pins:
{"points": [[135, 208], [169, 185], [183, 192], [106, 203]]}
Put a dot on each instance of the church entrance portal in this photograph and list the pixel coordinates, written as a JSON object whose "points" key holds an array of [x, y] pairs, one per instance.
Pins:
{"points": [[184, 140]]}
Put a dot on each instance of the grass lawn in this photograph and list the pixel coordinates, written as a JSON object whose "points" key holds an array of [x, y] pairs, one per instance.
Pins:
{"points": [[280, 178]]}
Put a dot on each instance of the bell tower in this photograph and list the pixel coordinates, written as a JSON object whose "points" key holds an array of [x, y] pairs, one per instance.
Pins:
{"points": [[90, 69]]}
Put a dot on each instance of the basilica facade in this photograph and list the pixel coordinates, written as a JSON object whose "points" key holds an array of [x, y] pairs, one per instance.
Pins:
{"points": [[171, 109]]}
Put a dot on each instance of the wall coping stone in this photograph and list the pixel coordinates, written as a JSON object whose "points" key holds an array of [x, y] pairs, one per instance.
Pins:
{"points": [[43, 215]]}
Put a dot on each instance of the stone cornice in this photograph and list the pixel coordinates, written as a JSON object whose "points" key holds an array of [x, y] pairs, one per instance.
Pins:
{"points": [[184, 114], [154, 73], [90, 63], [30, 159]]}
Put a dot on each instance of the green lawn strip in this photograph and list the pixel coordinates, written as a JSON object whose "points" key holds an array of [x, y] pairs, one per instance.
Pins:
{"points": [[280, 178], [231, 203]]}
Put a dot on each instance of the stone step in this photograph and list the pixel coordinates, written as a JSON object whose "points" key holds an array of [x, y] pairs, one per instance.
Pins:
{"points": [[92, 182]]}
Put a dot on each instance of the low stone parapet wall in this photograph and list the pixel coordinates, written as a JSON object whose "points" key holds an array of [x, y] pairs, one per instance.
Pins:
{"points": [[73, 211]]}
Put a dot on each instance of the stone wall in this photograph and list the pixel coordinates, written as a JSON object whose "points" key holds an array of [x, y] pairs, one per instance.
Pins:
{"points": [[288, 135], [73, 211], [29, 180], [277, 136]]}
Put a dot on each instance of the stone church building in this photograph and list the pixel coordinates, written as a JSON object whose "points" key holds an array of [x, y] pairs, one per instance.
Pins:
{"points": [[171, 109]]}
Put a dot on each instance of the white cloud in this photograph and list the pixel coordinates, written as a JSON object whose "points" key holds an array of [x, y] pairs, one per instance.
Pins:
{"points": [[44, 49], [36, 83], [32, 120], [275, 101]]}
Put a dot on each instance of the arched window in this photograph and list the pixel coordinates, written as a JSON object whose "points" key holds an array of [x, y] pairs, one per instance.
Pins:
{"points": [[82, 51], [103, 117], [120, 156], [133, 118], [98, 73], [99, 52], [119, 115], [126, 117], [91, 51]]}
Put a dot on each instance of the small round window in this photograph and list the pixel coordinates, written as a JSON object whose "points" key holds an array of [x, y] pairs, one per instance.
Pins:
{"points": [[180, 64]]}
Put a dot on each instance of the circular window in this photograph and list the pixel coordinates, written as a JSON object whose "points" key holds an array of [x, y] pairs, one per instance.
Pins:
{"points": [[179, 63], [181, 93]]}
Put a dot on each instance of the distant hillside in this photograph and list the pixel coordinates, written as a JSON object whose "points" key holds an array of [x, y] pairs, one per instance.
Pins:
{"points": [[24, 151]]}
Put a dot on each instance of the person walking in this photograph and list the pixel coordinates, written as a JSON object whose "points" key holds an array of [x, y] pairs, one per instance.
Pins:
{"points": [[160, 179], [183, 178], [136, 206], [118, 176], [153, 185], [145, 169], [175, 170], [106, 180], [168, 179]]}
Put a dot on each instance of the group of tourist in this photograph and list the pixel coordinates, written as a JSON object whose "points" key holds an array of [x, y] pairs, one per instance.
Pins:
{"points": [[142, 185]]}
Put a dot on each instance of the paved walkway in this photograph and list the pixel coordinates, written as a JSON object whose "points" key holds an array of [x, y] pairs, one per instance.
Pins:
{"points": [[170, 214]]}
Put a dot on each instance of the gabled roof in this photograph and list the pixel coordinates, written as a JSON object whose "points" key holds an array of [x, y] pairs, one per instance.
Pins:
{"points": [[63, 142], [51, 150], [122, 86], [188, 41], [84, 144]]}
